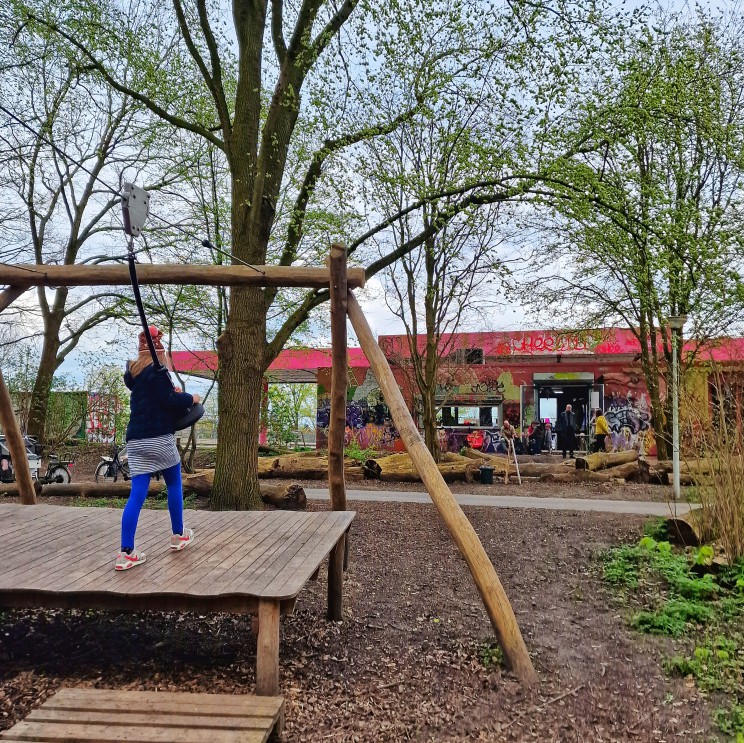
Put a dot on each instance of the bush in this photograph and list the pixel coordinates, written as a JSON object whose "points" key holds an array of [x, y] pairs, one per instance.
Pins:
{"points": [[719, 441]]}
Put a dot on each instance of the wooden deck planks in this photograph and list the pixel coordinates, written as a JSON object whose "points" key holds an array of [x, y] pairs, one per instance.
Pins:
{"points": [[58, 549], [99, 715]]}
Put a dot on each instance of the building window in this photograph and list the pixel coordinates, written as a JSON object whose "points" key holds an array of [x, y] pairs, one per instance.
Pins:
{"points": [[468, 356]]}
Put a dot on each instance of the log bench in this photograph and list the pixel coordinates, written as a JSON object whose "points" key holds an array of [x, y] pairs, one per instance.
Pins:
{"points": [[117, 716], [251, 562]]}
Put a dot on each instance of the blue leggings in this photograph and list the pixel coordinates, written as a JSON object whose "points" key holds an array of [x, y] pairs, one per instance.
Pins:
{"points": [[140, 484]]}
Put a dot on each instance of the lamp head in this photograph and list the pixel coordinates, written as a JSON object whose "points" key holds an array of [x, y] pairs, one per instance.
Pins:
{"points": [[676, 322]]}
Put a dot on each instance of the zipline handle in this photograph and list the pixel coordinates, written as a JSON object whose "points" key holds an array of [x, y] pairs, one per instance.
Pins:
{"points": [[135, 206]]}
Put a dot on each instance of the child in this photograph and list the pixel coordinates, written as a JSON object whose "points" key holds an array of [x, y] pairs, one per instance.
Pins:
{"points": [[155, 405], [601, 431]]}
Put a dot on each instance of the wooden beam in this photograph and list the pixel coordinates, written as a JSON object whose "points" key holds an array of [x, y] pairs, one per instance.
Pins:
{"points": [[16, 447], [489, 586], [41, 275], [10, 295]]}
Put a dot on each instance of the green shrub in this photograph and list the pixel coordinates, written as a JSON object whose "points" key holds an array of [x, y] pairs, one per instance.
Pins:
{"points": [[355, 452], [731, 721]]}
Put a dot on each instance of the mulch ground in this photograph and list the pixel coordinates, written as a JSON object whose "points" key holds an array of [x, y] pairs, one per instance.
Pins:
{"points": [[405, 662]]}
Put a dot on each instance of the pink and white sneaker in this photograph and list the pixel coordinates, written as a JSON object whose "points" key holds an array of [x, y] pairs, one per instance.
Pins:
{"points": [[179, 541], [126, 561]]}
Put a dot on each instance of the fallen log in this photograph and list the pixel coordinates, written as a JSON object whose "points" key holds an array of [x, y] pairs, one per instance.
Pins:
{"points": [[605, 460], [84, 489], [577, 476], [529, 466], [286, 497], [658, 475], [266, 465], [690, 529], [690, 466], [298, 467], [536, 469], [474, 454], [630, 471]]}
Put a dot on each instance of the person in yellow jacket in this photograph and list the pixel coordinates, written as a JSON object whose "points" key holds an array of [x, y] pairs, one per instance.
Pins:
{"points": [[601, 431]]}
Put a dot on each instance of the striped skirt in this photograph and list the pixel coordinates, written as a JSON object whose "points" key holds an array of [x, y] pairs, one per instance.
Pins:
{"points": [[147, 456]]}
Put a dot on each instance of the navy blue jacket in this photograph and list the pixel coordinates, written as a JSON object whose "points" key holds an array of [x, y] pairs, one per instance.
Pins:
{"points": [[154, 403]]}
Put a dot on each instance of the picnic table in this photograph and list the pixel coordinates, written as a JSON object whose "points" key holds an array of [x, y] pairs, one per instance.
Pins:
{"points": [[254, 562]]}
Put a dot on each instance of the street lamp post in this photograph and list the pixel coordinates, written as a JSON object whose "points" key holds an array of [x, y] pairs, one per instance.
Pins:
{"points": [[676, 323]]}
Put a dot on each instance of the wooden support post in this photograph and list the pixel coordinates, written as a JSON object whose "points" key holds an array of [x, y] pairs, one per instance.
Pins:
{"points": [[267, 661], [336, 581], [339, 378], [337, 428], [16, 447], [489, 586]]}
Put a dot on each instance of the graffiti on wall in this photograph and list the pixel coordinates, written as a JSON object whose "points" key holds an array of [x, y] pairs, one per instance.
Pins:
{"points": [[547, 342], [368, 420], [101, 421], [629, 418]]}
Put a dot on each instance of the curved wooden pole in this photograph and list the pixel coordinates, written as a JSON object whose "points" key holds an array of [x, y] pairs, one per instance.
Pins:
{"points": [[111, 275], [16, 447], [489, 586], [10, 295]]}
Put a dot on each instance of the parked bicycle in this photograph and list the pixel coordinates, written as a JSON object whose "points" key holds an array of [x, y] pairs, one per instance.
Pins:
{"points": [[57, 468], [111, 469]]}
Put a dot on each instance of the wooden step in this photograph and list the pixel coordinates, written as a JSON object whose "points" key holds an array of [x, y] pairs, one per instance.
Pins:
{"points": [[112, 716]]}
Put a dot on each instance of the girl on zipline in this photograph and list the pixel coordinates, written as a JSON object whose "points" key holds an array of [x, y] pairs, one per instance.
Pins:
{"points": [[155, 405]]}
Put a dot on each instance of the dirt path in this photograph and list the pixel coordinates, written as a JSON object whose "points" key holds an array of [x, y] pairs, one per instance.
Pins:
{"points": [[404, 665]]}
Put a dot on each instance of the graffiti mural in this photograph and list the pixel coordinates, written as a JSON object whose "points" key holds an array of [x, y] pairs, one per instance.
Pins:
{"points": [[368, 421], [101, 422], [629, 418]]}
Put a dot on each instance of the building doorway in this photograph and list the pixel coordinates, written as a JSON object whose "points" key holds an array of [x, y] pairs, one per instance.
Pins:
{"points": [[552, 400]]}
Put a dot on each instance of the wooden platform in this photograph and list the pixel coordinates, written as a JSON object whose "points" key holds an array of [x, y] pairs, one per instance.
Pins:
{"points": [[149, 717], [247, 561]]}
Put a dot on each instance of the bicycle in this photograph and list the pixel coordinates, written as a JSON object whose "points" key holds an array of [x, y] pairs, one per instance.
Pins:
{"points": [[110, 468], [57, 470]]}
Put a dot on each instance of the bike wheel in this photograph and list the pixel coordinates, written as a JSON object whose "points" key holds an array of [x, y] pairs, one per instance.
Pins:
{"points": [[105, 472], [60, 471]]}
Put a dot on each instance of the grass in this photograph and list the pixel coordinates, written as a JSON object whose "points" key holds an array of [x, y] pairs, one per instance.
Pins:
{"points": [[157, 502], [679, 594]]}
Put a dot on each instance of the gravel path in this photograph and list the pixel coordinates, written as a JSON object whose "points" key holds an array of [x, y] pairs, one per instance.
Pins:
{"points": [[642, 508]]}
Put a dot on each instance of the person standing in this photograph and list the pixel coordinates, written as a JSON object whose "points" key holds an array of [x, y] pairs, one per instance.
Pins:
{"points": [[601, 431], [567, 431], [155, 406]]}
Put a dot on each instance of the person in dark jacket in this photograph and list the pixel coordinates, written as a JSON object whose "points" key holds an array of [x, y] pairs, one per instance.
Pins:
{"points": [[155, 406], [567, 431]]}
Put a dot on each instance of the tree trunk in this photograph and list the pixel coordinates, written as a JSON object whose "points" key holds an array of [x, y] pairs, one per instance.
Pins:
{"points": [[39, 406], [430, 422], [240, 351]]}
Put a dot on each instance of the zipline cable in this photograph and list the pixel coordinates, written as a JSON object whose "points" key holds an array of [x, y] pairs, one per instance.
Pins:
{"points": [[113, 191]]}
